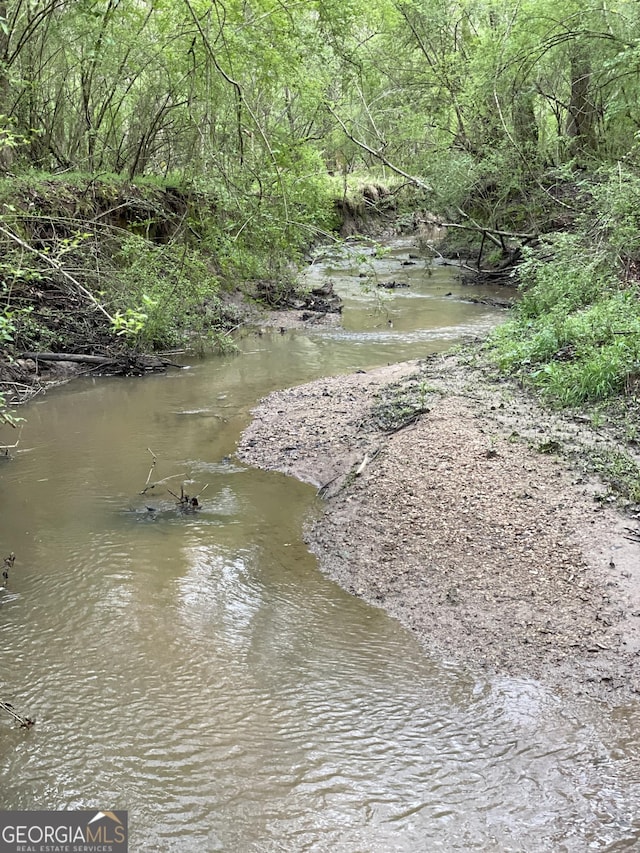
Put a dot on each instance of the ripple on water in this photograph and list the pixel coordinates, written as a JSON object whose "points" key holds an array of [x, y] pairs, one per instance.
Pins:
{"points": [[200, 672]]}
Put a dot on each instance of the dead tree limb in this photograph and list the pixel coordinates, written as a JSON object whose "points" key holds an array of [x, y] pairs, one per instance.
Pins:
{"points": [[25, 722], [154, 459], [185, 501], [8, 564], [56, 265], [78, 358], [149, 485], [164, 480], [379, 155], [493, 234]]}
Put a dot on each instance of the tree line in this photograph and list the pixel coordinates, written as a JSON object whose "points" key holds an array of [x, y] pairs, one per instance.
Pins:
{"points": [[264, 94], [224, 130]]}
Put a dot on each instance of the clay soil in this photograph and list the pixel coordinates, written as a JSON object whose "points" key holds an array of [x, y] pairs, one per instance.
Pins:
{"points": [[439, 501]]}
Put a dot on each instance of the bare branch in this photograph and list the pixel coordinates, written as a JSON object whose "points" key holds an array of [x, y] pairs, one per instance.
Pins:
{"points": [[56, 265], [489, 232], [378, 154]]}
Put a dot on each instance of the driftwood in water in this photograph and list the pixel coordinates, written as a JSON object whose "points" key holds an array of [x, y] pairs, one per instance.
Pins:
{"points": [[185, 502], [493, 301], [322, 299], [149, 485], [8, 564], [25, 722], [392, 285]]}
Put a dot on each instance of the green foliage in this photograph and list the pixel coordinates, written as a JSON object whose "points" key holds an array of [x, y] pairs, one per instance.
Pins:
{"points": [[584, 355], [260, 231], [564, 275], [163, 294], [7, 331], [7, 326], [613, 220], [238, 91], [132, 322], [576, 332], [6, 416], [250, 106], [620, 470]]}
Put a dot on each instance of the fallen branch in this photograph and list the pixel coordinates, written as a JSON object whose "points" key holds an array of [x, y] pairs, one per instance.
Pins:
{"points": [[409, 421], [186, 501], [379, 155], [56, 265], [25, 722], [124, 363], [8, 564], [5, 448], [322, 491], [164, 480], [79, 358], [489, 232], [154, 459]]}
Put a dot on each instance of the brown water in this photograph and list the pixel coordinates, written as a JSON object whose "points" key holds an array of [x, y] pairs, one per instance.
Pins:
{"points": [[199, 671]]}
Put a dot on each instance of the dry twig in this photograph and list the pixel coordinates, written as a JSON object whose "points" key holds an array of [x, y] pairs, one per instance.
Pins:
{"points": [[25, 722]]}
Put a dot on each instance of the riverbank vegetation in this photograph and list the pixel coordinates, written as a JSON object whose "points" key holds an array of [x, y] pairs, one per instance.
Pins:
{"points": [[156, 155], [576, 332]]}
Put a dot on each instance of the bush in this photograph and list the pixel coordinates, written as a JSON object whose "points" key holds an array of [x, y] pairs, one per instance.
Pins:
{"points": [[575, 335], [162, 294]]}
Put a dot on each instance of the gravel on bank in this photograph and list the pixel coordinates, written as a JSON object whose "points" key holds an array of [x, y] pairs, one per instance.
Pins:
{"points": [[442, 503]]}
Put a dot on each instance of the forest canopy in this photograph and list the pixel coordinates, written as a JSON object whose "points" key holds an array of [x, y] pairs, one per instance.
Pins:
{"points": [[151, 150], [269, 93]]}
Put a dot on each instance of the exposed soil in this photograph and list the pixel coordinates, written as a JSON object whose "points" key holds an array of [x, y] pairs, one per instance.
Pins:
{"points": [[21, 379], [443, 505]]}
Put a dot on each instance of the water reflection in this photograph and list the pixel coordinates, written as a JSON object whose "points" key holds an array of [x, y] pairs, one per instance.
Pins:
{"points": [[197, 669]]}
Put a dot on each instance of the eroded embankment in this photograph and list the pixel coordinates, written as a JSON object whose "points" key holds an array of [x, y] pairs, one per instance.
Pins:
{"points": [[493, 553]]}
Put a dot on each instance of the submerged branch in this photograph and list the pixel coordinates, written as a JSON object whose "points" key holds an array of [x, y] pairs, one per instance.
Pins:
{"points": [[25, 722]]}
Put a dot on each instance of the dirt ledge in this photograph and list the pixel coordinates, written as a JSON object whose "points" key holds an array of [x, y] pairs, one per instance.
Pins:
{"points": [[495, 554]]}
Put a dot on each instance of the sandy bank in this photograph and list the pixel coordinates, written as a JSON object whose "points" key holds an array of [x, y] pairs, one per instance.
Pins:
{"points": [[440, 504]]}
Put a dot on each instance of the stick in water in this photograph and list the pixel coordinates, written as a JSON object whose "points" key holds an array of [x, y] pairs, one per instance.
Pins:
{"points": [[8, 564], [25, 722]]}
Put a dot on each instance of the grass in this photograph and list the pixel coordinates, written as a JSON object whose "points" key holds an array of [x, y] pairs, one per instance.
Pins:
{"points": [[575, 334], [620, 471]]}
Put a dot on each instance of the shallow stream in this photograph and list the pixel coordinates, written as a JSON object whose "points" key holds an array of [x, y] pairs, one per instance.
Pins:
{"points": [[197, 668]]}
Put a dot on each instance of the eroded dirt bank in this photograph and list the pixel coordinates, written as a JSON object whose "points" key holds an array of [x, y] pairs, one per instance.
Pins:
{"points": [[440, 506]]}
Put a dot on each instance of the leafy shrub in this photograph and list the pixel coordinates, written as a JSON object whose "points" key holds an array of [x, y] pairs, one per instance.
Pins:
{"points": [[575, 335], [162, 293]]}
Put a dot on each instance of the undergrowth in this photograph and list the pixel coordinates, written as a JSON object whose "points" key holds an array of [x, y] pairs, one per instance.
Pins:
{"points": [[620, 470], [89, 263], [575, 335]]}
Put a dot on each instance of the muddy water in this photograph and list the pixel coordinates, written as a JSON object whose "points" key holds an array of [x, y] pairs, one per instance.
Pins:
{"points": [[199, 671]]}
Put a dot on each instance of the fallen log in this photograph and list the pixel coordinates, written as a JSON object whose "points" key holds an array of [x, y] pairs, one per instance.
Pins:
{"points": [[79, 358], [125, 363]]}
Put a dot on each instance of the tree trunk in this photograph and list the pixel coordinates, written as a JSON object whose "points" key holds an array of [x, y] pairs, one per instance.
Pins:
{"points": [[6, 150], [581, 114], [525, 126]]}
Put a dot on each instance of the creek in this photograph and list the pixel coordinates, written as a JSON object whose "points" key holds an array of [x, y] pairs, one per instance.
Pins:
{"points": [[197, 669]]}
